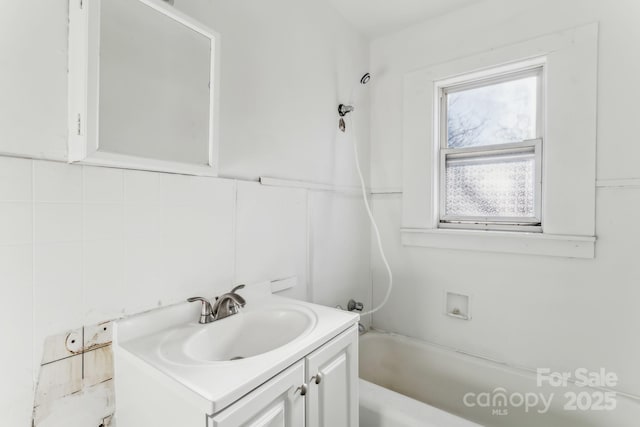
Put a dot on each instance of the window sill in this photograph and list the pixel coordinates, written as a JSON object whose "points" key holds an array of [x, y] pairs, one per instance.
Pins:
{"points": [[554, 245]]}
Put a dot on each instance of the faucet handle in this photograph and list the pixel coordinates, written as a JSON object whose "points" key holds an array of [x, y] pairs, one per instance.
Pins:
{"points": [[237, 298], [206, 311], [237, 288]]}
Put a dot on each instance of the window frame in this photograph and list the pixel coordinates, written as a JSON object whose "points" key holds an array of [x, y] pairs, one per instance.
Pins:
{"points": [[569, 172], [472, 81]]}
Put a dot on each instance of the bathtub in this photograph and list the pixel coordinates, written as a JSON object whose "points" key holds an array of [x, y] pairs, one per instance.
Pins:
{"points": [[405, 383], [380, 406]]}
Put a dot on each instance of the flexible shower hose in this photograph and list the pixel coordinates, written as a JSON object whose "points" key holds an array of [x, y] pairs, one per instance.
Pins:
{"points": [[363, 187]]}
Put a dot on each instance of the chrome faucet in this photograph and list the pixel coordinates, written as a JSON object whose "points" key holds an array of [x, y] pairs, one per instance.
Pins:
{"points": [[225, 305], [228, 304]]}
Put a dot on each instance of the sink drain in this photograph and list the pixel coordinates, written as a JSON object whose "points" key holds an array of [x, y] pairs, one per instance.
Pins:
{"points": [[237, 358]]}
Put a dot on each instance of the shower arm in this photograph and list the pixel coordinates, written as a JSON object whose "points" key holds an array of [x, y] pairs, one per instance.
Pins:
{"points": [[343, 109]]}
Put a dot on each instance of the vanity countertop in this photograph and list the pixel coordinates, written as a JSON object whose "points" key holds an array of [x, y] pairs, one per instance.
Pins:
{"points": [[146, 340]]}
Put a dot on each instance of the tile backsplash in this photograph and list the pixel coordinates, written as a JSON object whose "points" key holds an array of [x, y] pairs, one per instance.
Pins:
{"points": [[102, 255], [80, 245]]}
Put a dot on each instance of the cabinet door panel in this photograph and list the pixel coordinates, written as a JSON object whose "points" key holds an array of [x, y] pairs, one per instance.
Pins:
{"points": [[277, 403], [333, 401], [274, 417]]}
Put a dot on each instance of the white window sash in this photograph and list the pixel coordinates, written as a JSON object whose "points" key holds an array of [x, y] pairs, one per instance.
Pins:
{"points": [[532, 224], [536, 69]]}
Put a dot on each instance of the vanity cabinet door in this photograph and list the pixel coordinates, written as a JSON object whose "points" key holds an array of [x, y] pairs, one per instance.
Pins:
{"points": [[332, 376], [277, 403]]}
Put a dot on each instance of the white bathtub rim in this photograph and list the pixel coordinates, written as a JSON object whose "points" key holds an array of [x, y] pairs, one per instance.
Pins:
{"points": [[422, 411], [509, 367]]}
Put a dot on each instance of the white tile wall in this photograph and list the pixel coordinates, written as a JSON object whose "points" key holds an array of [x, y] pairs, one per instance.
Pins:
{"points": [[143, 221], [15, 223], [15, 180], [57, 283], [16, 308], [103, 185], [56, 182], [272, 235], [103, 280], [57, 222], [80, 245], [16, 290], [142, 187], [103, 221], [340, 238]]}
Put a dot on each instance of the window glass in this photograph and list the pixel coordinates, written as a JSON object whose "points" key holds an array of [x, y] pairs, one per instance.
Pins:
{"points": [[497, 113], [491, 186]]}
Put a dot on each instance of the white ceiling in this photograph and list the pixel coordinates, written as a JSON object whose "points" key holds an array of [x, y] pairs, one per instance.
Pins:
{"points": [[378, 17]]}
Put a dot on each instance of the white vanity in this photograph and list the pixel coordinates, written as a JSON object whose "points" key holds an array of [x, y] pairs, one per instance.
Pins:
{"points": [[278, 362]]}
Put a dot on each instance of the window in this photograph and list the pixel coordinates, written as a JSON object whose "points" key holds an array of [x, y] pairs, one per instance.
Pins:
{"points": [[478, 121], [491, 152]]}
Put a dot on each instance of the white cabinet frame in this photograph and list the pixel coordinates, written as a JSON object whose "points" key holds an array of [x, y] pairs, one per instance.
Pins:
{"points": [[83, 92], [332, 375]]}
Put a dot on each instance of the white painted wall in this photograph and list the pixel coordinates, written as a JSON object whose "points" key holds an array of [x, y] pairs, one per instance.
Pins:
{"points": [[286, 66], [531, 311], [33, 60], [84, 244]]}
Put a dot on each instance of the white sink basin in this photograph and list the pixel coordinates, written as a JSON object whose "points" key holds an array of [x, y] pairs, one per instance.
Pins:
{"points": [[237, 337], [270, 334]]}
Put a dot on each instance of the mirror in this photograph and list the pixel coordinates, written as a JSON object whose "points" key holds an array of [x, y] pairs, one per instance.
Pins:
{"points": [[149, 85]]}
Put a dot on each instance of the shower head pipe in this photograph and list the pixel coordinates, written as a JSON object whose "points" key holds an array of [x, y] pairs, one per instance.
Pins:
{"points": [[344, 109]]}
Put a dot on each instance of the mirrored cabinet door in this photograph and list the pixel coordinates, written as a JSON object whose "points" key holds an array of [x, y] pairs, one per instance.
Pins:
{"points": [[142, 87]]}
